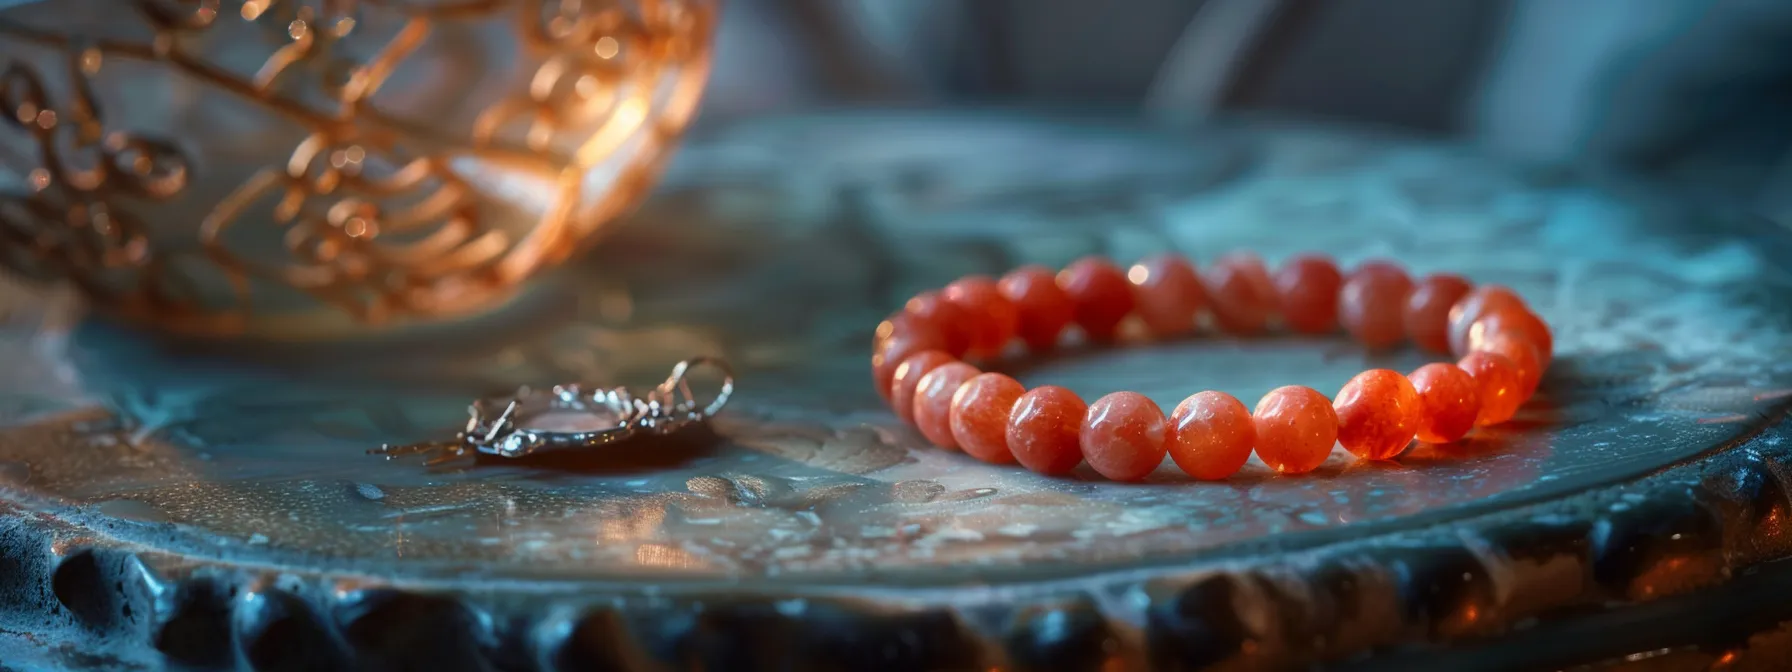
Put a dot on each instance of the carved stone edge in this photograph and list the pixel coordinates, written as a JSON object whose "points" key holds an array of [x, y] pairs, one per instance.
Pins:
{"points": [[1456, 586]]}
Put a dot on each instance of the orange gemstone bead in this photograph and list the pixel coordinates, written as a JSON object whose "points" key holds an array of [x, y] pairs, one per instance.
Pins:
{"points": [[1378, 414], [1123, 436], [1497, 379], [1296, 428], [991, 318], [1525, 360], [1307, 287], [1449, 400], [1479, 301], [1241, 294], [949, 319], [908, 379], [1044, 310], [933, 401], [1372, 304], [1211, 435], [1168, 294], [979, 416], [1428, 309], [893, 350], [1521, 324], [1101, 295], [1045, 430], [901, 321]]}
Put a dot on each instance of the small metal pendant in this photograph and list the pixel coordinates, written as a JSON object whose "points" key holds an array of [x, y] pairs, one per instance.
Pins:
{"points": [[610, 415]]}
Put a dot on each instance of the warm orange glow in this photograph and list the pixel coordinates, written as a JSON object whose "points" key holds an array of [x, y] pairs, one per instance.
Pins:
{"points": [[607, 47], [640, 523], [661, 555]]}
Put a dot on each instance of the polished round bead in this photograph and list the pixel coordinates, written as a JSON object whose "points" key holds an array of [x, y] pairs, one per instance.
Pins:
{"points": [[1043, 309], [1479, 301], [1372, 304], [1211, 435], [1497, 378], [1307, 288], [980, 412], [1428, 309], [908, 379], [1241, 294], [897, 348], [1168, 294], [1525, 360], [1123, 436], [1449, 400], [933, 401], [1517, 323], [992, 318], [951, 320], [1296, 428], [1045, 430], [901, 321], [1101, 295], [1378, 414]]}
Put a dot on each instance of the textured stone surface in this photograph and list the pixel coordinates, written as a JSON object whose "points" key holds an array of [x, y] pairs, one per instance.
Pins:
{"points": [[1642, 490]]}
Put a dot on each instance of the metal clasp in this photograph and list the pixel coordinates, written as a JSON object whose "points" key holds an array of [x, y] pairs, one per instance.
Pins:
{"points": [[494, 426]]}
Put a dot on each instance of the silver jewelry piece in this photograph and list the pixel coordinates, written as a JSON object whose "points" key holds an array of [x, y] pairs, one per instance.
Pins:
{"points": [[493, 425]]}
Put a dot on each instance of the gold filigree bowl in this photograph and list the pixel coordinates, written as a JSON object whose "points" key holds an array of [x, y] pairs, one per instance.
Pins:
{"points": [[294, 168]]}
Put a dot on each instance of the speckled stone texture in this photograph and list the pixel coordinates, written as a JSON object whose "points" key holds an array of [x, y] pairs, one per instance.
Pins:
{"points": [[210, 504]]}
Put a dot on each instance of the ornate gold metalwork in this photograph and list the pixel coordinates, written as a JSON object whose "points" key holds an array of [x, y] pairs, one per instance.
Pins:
{"points": [[379, 216]]}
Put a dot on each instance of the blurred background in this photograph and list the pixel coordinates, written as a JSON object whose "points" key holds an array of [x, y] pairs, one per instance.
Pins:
{"points": [[1694, 92]]}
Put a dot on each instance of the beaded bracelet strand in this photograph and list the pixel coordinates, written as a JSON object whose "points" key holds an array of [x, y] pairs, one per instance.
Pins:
{"points": [[1502, 346]]}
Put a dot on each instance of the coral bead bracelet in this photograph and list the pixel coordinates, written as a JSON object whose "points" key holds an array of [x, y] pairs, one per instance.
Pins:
{"points": [[1503, 350]]}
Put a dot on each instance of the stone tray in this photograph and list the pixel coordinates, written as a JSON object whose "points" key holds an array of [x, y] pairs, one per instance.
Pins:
{"points": [[205, 505]]}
